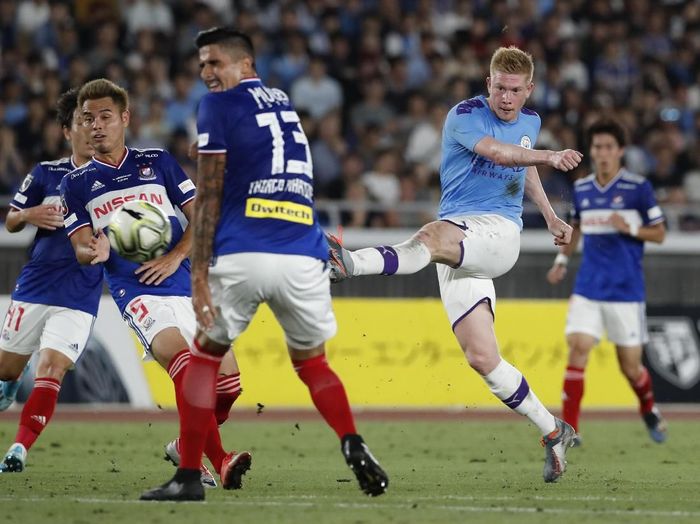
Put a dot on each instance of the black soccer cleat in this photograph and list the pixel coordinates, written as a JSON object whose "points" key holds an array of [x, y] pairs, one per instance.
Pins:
{"points": [[372, 478], [180, 488]]}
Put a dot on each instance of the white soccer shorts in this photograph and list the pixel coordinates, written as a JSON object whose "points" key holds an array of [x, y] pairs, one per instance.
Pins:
{"points": [[29, 327], [623, 322], [296, 288], [148, 315], [491, 244], [490, 248]]}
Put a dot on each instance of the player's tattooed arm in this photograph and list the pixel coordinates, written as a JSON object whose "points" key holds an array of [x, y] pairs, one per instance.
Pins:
{"points": [[207, 209]]}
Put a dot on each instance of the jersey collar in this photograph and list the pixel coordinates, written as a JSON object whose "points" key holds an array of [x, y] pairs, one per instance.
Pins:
{"points": [[610, 184], [112, 166]]}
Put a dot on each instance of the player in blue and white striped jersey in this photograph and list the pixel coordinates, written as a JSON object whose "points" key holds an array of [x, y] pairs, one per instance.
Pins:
{"points": [[616, 212], [53, 319], [153, 297]]}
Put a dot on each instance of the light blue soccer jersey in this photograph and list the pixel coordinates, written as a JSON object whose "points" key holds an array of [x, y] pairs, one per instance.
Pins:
{"points": [[472, 184], [92, 193], [53, 275], [268, 199], [611, 267]]}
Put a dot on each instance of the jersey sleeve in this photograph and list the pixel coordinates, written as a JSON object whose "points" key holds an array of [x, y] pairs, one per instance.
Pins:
{"points": [[574, 211], [75, 214], [467, 128], [210, 126], [31, 193], [649, 209], [178, 185]]}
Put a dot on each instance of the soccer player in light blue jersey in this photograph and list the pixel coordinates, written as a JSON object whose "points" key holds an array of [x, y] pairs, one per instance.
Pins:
{"points": [[616, 212], [487, 165], [257, 240], [153, 297], [55, 320]]}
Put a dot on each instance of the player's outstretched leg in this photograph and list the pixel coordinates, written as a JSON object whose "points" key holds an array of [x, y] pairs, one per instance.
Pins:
{"points": [[185, 485], [15, 459], [8, 390], [405, 258], [555, 445], [372, 478]]}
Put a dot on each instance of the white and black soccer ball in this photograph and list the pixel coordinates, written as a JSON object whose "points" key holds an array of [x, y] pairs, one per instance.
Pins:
{"points": [[139, 231]]}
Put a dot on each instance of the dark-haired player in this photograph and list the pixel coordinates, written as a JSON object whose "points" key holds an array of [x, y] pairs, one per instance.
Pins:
{"points": [[616, 212], [55, 301], [255, 224]]}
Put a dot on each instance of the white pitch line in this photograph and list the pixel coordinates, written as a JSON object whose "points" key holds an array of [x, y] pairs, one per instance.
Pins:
{"points": [[399, 506]]}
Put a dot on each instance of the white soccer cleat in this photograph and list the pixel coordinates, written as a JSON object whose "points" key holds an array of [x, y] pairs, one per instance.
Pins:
{"points": [[172, 454], [15, 459]]}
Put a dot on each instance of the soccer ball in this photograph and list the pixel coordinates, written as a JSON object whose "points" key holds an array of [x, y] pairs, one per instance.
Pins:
{"points": [[139, 231]]}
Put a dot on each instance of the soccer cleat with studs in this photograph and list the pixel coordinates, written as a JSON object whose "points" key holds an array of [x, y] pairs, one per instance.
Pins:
{"points": [[184, 486], [339, 260], [555, 445], [15, 459], [372, 478], [233, 467], [172, 454], [656, 425]]}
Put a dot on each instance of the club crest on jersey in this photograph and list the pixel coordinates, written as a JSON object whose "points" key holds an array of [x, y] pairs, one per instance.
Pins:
{"points": [[64, 206], [26, 183], [147, 173], [525, 142], [617, 202], [585, 202]]}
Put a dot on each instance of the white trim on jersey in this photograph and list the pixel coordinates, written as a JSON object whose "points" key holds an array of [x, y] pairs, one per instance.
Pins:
{"points": [[126, 155], [81, 226], [211, 151], [597, 221]]}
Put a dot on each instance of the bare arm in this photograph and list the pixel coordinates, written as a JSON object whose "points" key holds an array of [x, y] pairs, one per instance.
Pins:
{"points": [[558, 270], [157, 270], [90, 249], [534, 191], [510, 155], [210, 182], [45, 216]]}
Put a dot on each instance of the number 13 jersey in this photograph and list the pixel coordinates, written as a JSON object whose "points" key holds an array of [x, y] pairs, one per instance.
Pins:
{"points": [[267, 202]]}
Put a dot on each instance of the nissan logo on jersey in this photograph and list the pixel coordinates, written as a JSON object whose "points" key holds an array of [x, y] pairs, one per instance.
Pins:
{"points": [[118, 201]]}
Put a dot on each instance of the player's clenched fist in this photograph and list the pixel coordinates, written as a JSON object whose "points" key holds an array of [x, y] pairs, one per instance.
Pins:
{"points": [[565, 160]]}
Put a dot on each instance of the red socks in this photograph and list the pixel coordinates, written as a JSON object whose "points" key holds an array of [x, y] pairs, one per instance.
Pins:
{"points": [[38, 410], [228, 389], [572, 395], [643, 389], [196, 422], [327, 393]]}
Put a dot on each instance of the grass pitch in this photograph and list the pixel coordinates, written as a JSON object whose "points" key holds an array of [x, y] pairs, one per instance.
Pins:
{"points": [[481, 471]]}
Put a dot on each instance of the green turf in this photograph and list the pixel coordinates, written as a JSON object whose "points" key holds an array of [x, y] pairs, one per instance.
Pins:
{"points": [[440, 472]]}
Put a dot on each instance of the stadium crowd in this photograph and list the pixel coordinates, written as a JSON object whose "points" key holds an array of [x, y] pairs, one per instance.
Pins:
{"points": [[372, 80]]}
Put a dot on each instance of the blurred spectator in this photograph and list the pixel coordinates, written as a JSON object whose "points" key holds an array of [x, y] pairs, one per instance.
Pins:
{"points": [[316, 92], [384, 60], [327, 152]]}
